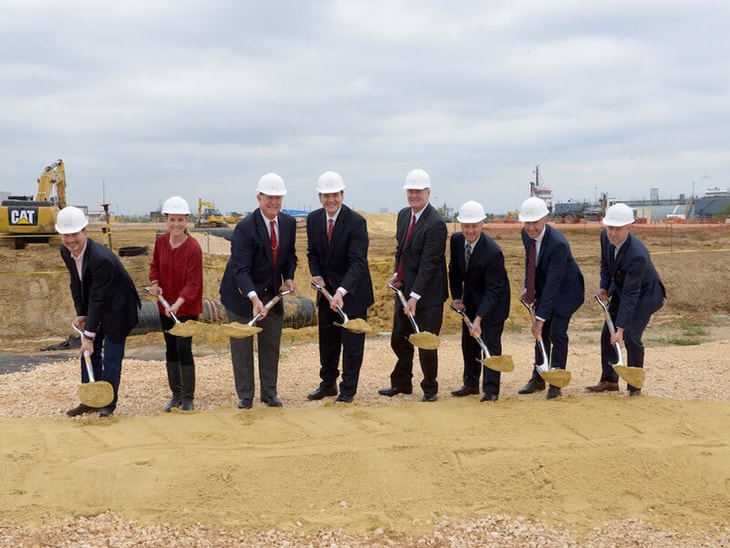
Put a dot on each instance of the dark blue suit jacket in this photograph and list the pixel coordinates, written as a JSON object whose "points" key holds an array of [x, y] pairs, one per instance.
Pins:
{"points": [[631, 280], [107, 295], [344, 261], [251, 265], [559, 284], [484, 286]]}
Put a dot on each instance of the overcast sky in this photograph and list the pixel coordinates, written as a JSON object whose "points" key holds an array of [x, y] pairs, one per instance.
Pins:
{"points": [[147, 99]]}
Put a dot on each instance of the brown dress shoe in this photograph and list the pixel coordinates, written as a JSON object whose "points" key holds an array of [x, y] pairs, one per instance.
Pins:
{"points": [[603, 386]]}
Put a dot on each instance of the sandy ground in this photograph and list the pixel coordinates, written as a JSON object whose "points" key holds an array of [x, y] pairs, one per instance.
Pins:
{"points": [[582, 470]]}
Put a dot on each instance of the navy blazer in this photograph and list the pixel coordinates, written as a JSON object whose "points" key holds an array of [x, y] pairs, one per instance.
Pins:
{"points": [[251, 265], [631, 279], [559, 284], [344, 261], [106, 294], [483, 287], [424, 256]]}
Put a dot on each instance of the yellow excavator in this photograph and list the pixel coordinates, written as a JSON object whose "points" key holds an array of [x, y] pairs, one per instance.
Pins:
{"points": [[209, 216], [32, 219]]}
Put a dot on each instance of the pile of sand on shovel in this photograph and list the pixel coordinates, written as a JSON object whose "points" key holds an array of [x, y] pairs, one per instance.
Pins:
{"points": [[635, 376], [96, 394], [556, 377], [425, 340], [190, 328], [356, 325], [238, 330], [503, 364]]}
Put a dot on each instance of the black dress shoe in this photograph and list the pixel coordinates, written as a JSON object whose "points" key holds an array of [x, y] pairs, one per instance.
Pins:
{"points": [[80, 409], [634, 393], [322, 392], [554, 392], [344, 399], [489, 397], [105, 412], [429, 397], [393, 390], [244, 404], [533, 386], [273, 401], [465, 391], [603, 386]]}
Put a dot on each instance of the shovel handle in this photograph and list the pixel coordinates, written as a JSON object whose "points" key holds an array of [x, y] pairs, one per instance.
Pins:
{"points": [[405, 305], [268, 306], [545, 365], [611, 327], [326, 293], [86, 356], [469, 324], [164, 303]]}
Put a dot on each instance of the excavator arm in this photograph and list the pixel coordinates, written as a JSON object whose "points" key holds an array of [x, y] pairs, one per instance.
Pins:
{"points": [[53, 178]]}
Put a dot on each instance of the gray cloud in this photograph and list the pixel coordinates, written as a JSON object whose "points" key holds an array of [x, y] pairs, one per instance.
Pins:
{"points": [[201, 98]]}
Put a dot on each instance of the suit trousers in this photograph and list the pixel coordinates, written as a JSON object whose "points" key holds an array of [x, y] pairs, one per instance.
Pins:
{"points": [[269, 342], [428, 318], [632, 342], [332, 340], [472, 354], [106, 362], [555, 339]]}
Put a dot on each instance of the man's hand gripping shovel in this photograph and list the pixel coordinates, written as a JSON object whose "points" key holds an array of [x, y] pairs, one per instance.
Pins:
{"points": [[556, 377], [496, 363], [635, 376], [94, 393], [421, 339], [356, 325]]}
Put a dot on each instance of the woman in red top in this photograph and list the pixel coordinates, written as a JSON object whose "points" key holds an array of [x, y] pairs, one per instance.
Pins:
{"points": [[176, 272]]}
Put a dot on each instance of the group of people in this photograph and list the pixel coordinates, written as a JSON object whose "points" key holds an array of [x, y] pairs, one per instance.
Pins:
{"points": [[261, 269]]}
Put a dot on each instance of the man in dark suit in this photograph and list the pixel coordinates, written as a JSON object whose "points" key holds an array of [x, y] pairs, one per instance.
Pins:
{"points": [[337, 250], [630, 280], [479, 286], [420, 272], [263, 260], [557, 292], [105, 300]]}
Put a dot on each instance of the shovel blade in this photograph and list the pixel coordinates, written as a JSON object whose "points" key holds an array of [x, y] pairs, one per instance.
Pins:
{"points": [[237, 330], [355, 325], [425, 340], [96, 394], [556, 377], [635, 376], [186, 329], [504, 364]]}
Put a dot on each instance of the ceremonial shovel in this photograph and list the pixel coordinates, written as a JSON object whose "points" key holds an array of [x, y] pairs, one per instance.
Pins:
{"points": [[633, 375], [94, 393], [421, 339], [556, 377], [496, 363], [356, 325]]}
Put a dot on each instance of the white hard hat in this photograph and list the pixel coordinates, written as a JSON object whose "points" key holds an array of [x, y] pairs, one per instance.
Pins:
{"points": [[618, 215], [471, 212], [272, 185], [329, 182], [176, 206], [417, 179], [533, 209], [70, 220]]}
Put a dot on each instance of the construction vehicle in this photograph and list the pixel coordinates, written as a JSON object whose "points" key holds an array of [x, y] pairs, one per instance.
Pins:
{"points": [[209, 216], [233, 217], [573, 211], [32, 219]]}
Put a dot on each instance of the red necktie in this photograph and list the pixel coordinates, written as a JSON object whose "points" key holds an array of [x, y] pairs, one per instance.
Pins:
{"points": [[531, 261], [405, 241], [274, 242], [330, 229]]}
